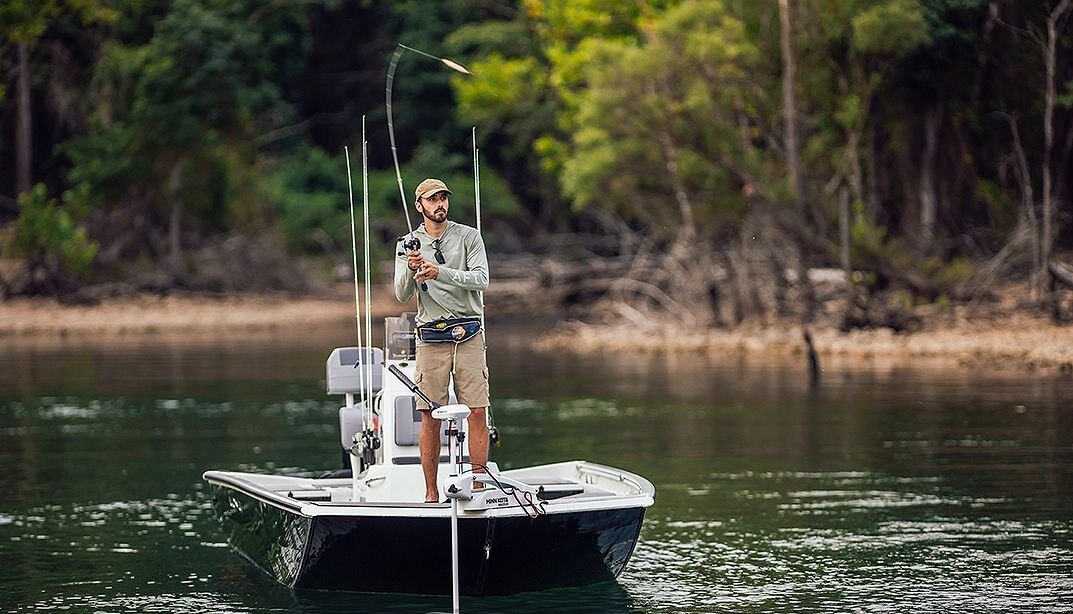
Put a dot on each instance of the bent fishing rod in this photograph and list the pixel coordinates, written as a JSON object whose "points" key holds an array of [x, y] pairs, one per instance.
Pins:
{"points": [[412, 242]]}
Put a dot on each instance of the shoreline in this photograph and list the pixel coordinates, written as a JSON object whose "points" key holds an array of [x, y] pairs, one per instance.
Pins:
{"points": [[193, 314], [1014, 342], [1017, 341]]}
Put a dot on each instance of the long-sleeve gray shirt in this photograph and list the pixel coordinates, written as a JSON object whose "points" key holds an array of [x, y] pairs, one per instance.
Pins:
{"points": [[456, 291]]}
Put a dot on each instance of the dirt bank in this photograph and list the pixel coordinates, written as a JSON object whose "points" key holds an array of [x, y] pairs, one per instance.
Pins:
{"points": [[183, 313], [1012, 341], [1018, 341]]}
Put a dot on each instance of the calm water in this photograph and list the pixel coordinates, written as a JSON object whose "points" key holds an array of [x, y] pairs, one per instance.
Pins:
{"points": [[893, 489]]}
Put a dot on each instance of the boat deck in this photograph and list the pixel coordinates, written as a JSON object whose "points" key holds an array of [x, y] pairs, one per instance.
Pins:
{"points": [[555, 485]]}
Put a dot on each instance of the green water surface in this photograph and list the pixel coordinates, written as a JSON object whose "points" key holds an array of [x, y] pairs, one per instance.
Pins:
{"points": [[893, 488]]}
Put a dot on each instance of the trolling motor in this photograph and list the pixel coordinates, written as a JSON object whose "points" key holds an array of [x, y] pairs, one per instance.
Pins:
{"points": [[498, 491]]}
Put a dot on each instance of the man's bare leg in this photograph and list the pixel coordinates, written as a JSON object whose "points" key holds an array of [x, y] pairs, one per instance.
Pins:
{"points": [[429, 443], [478, 439]]}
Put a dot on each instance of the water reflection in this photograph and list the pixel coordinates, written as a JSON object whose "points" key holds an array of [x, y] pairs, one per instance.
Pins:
{"points": [[887, 487]]}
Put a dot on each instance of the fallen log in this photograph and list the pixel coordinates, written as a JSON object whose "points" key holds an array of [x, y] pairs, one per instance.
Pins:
{"points": [[1061, 271]]}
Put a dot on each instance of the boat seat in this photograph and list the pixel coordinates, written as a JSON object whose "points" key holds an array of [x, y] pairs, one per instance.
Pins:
{"points": [[342, 375], [408, 422]]}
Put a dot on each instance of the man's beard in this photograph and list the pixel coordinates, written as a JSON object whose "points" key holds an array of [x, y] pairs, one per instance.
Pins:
{"points": [[438, 215]]}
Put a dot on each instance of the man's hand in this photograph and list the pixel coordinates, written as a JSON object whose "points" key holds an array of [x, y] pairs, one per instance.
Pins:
{"points": [[427, 271], [414, 259]]}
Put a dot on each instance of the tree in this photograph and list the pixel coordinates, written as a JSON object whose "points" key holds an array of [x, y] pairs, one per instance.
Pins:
{"points": [[22, 24], [697, 101], [529, 72], [177, 118], [1047, 42]]}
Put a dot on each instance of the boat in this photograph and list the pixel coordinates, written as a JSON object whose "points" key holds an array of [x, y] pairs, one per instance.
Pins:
{"points": [[367, 528]]}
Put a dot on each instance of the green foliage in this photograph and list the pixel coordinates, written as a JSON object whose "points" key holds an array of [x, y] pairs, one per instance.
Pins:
{"points": [[24, 21], [1001, 206], [482, 39], [176, 112], [679, 94], [872, 246], [506, 89], [311, 195], [1065, 99], [208, 69], [309, 189], [949, 274], [626, 106], [572, 21], [50, 234], [890, 29], [865, 236]]}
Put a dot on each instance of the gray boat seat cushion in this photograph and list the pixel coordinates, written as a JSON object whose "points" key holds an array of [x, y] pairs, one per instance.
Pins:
{"points": [[408, 422]]}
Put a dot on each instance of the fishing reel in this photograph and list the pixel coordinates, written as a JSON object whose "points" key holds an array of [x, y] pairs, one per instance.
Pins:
{"points": [[370, 444], [366, 443], [409, 245]]}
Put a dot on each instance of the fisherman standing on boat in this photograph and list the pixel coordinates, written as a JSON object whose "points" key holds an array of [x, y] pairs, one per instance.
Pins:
{"points": [[452, 268]]}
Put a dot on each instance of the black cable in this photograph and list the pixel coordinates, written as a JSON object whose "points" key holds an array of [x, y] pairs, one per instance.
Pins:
{"points": [[510, 490]]}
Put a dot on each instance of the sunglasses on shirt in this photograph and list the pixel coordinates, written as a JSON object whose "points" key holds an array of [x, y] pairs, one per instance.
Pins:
{"points": [[439, 254]]}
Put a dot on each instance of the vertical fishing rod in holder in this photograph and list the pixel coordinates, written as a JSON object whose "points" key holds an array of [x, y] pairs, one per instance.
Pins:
{"points": [[409, 242], [493, 432], [453, 414], [367, 441]]}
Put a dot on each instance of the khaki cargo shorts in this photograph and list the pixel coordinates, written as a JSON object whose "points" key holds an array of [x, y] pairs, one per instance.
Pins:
{"points": [[432, 373]]}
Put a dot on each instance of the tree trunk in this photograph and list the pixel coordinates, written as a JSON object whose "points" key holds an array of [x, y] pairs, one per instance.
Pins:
{"points": [[928, 196], [23, 124], [1028, 203], [1047, 234], [175, 256], [789, 109], [843, 233], [688, 231]]}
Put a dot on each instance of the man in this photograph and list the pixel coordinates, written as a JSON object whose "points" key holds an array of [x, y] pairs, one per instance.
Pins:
{"points": [[453, 266]]}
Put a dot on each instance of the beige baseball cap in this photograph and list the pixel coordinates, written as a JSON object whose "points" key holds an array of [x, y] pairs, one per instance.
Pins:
{"points": [[431, 186]]}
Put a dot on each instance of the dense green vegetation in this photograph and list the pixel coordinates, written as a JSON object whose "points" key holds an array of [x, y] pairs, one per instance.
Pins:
{"points": [[926, 144]]}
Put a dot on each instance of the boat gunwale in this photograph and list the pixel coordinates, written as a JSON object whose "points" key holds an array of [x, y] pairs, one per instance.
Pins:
{"points": [[645, 497]]}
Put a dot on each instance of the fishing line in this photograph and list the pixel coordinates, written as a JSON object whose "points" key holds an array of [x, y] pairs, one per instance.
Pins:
{"points": [[391, 134]]}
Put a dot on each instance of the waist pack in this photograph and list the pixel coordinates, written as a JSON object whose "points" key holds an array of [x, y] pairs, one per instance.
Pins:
{"points": [[455, 330]]}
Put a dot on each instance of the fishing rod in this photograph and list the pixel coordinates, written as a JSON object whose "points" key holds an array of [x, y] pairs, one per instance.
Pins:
{"points": [[369, 440], [359, 442], [368, 270], [412, 243], [493, 432]]}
